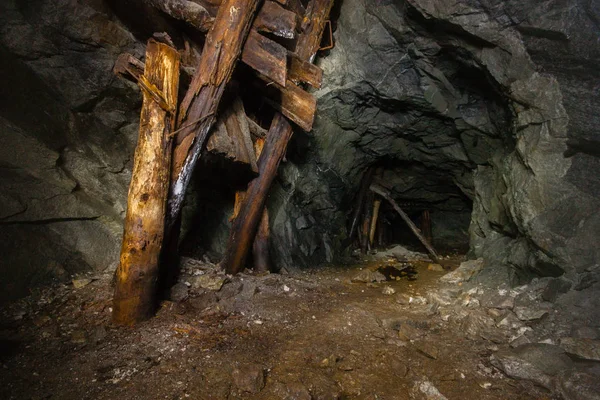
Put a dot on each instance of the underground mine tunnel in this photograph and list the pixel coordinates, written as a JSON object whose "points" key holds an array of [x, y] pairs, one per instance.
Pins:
{"points": [[299, 199]]}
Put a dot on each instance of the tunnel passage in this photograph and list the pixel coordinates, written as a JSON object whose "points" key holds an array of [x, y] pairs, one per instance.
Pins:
{"points": [[432, 201]]}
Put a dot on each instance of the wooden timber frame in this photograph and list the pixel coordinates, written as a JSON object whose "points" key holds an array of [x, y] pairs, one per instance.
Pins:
{"points": [[246, 223], [170, 144], [137, 273], [380, 190]]}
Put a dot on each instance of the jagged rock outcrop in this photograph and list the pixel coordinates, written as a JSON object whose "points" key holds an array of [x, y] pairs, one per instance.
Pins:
{"points": [[67, 133], [482, 93]]}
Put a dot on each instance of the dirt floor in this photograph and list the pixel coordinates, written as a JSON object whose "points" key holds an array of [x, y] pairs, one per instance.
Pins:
{"points": [[311, 335]]}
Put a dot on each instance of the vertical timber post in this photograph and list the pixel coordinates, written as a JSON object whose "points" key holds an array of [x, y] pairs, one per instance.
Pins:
{"points": [[134, 298]]}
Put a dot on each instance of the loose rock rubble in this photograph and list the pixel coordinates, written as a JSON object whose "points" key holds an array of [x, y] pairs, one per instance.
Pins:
{"points": [[315, 335]]}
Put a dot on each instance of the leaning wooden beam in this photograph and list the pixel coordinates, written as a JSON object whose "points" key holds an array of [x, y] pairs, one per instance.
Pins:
{"points": [[376, 205], [368, 216], [222, 49], [358, 206], [375, 188], [292, 101], [144, 223], [245, 226], [251, 208]]}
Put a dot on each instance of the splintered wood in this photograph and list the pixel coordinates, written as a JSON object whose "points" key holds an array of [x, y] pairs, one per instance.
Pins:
{"points": [[144, 223]]}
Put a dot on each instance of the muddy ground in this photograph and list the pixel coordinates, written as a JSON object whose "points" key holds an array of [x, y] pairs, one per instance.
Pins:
{"points": [[310, 335]]}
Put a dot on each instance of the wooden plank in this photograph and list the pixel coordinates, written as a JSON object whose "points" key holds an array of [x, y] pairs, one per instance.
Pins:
{"points": [[144, 222], [222, 48], [275, 19], [292, 101], [375, 188], [302, 71], [266, 57], [231, 136], [245, 226]]}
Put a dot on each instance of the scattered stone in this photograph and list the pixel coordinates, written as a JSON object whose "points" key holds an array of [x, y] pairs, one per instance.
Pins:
{"points": [[295, 391], [405, 299], [555, 288], [98, 334], [424, 390], [500, 299], [475, 324], [588, 349], [212, 282], [463, 273], [179, 292], [529, 314], [428, 349], [443, 297], [435, 267], [510, 321], [586, 332], [368, 276], [534, 362], [249, 378], [578, 385], [230, 289], [401, 253], [80, 283], [388, 290], [78, 337], [204, 300], [519, 341]]}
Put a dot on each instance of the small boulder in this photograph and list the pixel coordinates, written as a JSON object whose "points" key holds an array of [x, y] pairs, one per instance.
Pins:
{"points": [[464, 273], [535, 362], [425, 390], [368, 276], [249, 378], [587, 349]]}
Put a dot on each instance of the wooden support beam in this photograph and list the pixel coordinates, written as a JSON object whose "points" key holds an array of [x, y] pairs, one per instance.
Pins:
{"points": [[231, 136], [251, 208], [426, 225], [266, 57], [358, 205], [367, 217], [260, 247], [302, 71], [375, 188], [275, 19], [376, 205], [144, 222], [292, 101], [222, 49], [245, 226]]}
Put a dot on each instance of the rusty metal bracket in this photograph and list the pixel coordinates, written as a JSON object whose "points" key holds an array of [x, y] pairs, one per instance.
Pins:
{"points": [[330, 41]]}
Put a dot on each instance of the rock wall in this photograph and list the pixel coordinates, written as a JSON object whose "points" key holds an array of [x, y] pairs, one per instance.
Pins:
{"points": [[67, 133], [482, 93]]}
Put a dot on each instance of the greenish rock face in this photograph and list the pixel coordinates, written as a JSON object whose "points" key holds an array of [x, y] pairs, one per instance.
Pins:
{"points": [[469, 108]]}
